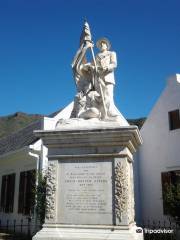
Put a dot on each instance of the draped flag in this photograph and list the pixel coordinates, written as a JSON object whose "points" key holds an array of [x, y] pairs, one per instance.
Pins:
{"points": [[85, 36]]}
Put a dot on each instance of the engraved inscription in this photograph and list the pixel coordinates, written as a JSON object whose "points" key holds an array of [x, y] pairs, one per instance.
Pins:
{"points": [[87, 192], [89, 199]]}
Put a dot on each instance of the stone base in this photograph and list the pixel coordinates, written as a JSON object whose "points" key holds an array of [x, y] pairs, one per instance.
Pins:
{"points": [[89, 233], [90, 193]]}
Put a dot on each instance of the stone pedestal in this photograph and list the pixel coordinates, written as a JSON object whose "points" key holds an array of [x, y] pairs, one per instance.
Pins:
{"points": [[90, 191]]}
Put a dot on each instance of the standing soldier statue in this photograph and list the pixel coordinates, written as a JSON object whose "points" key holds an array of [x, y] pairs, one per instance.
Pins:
{"points": [[94, 80]]}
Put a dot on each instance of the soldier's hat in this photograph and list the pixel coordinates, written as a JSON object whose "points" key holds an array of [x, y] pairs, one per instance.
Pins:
{"points": [[105, 40]]}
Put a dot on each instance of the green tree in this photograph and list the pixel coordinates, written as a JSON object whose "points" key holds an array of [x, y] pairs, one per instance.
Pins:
{"points": [[171, 198], [40, 197]]}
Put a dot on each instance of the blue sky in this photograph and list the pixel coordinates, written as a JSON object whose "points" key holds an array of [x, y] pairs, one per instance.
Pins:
{"points": [[38, 40]]}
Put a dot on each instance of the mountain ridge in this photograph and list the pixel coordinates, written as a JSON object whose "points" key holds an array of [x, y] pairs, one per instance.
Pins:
{"points": [[14, 122], [18, 120]]}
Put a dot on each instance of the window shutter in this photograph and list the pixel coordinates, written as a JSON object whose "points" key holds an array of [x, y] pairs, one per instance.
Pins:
{"points": [[21, 192], [174, 119], [31, 181], [7, 193], [26, 191], [10, 193], [3, 193]]}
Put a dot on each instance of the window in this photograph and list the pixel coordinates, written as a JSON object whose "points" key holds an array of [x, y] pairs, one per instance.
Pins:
{"points": [[174, 119], [7, 193], [170, 184], [26, 192]]}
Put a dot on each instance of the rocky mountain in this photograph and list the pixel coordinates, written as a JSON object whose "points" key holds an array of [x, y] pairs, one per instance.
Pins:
{"points": [[16, 121]]}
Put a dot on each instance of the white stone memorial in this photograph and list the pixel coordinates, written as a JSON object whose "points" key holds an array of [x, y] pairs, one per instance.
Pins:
{"points": [[90, 192]]}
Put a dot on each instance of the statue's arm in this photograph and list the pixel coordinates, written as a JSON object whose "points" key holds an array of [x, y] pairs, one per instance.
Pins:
{"points": [[78, 64], [113, 62]]}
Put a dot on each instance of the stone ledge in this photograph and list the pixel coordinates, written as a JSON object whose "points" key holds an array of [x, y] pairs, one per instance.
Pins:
{"points": [[88, 234]]}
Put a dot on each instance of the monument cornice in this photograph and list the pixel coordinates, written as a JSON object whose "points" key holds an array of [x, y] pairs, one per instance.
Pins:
{"points": [[88, 156], [92, 137]]}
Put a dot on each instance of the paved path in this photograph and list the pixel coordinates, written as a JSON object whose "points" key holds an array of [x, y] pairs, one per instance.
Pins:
{"points": [[6, 236]]}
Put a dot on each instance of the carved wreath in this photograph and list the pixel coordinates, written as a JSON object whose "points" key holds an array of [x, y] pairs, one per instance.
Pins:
{"points": [[121, 190], [50, 191]]}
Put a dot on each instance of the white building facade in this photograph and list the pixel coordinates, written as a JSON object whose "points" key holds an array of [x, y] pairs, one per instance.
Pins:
{"points": [[158, 159], [22, 155]]}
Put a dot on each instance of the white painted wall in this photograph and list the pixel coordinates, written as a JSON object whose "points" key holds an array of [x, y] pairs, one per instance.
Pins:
{"points": [[15, 162], [160, 150]]}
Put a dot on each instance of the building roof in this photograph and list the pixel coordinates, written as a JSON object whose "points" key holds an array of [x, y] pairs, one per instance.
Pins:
{"points": [[19, 139], [55, 113]]}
